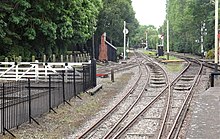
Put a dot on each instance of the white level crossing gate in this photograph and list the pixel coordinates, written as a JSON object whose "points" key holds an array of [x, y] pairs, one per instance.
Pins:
{"points": [[37, 70]]}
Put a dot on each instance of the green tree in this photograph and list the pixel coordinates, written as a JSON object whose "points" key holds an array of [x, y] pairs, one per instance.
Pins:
{"points": [[36, 27], [186, 19], [111, 20]]}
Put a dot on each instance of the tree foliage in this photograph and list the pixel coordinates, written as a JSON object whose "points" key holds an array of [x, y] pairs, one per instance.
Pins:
{"points": [[140, 36], [111, 20], [36, 27], [186, 18]]}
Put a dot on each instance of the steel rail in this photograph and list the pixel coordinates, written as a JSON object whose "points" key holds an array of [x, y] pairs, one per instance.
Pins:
{"points": [[119, 134], [92, 128], [108, 135], [168, 102], [126, 113], [177, 125], [124, 129]]}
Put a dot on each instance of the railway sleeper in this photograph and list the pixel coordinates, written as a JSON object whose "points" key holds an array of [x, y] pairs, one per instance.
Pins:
{"points": [[140, 135], [157, 76], [157, 85], [181, 88], [158, 79], [158, 82], [183, 85], [180, 92], [186, 79], [95, 89]]}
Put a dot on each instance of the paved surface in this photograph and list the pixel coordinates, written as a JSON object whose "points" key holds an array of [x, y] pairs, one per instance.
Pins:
{"points": [[205, 123]]}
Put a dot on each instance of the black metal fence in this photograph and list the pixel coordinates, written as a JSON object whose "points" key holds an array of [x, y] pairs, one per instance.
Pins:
{"points": [[22, 101]]}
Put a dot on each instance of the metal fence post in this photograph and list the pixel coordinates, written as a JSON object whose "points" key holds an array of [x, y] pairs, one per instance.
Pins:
{"points": [[83, 79], [86, 69], [74, 81], [29, 99], [50, 103], [49, 93], [63, 84], [3, 108], [93, 63]]}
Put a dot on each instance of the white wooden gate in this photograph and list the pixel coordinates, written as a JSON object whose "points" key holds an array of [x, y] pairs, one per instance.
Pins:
{"points": [[35, 70]]}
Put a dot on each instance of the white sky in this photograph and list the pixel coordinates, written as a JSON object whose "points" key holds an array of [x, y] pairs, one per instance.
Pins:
{"points": [[150, 12]]}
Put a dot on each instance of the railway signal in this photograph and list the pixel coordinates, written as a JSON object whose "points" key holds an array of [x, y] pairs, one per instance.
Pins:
{"points": [[125, 31]]}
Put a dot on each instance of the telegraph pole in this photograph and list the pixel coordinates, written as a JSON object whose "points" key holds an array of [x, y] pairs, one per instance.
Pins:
{"points": [[216, 35], [168, 41], [168, 34]]}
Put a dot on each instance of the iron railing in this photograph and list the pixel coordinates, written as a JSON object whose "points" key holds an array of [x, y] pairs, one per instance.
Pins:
{"points": [[23, 101]]}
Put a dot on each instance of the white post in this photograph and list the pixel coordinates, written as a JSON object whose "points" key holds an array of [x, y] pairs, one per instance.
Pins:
{"points": [[16, 71], [36, 70], [168, 40], [216, 33], [202, 49], [146, 41], [128, 43], [168, 32], [124, 31]]}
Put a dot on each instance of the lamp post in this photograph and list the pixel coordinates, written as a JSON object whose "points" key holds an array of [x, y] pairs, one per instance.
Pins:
{"points": [[216, 35]]}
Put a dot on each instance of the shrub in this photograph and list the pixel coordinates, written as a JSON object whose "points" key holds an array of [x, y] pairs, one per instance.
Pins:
{"points": [[210, 54]]}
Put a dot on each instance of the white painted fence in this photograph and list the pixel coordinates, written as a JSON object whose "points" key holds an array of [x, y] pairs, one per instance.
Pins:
{"points": [[35, 70]]}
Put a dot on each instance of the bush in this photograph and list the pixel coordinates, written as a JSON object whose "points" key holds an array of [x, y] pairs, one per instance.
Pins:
{"points": [[210, 54]]}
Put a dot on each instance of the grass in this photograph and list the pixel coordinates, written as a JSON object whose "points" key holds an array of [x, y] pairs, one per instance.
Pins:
{"points": [[153, 53], [170, 57], [149, 53], [174, 67]]}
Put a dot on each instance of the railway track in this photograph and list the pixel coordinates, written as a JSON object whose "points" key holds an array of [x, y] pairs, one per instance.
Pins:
{"points": [[117, 66], [181, 93], [172, 103], [154, 109], [151, 76]]}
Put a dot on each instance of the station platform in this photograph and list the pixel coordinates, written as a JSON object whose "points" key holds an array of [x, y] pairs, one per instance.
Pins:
{"points": [[205, 122]]}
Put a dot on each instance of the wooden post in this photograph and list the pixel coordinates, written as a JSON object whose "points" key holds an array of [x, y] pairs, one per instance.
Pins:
{"points": [[67, 58], [19, 59], [71, 58], [6, 60], [33, 58], [44, 58], [61, 58], [77, 58], [54, 58], [112, 75], [36, 70]]}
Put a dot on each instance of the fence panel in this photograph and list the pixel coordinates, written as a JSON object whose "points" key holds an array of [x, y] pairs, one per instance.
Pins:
{"points": [[14, 106], [22, 101], [56, 90], [39, 98]]}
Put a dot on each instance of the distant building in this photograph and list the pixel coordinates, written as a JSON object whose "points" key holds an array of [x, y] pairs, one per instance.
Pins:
{"points": [[107, 51]]}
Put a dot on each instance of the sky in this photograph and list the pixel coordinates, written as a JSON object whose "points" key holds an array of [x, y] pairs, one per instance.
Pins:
{"points": [[150, 12]]}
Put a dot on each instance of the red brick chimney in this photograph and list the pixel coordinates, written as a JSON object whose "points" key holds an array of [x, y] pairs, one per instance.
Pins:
{"points": [[103, 48]]}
